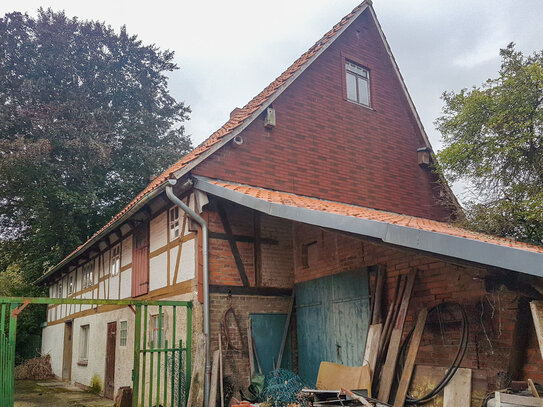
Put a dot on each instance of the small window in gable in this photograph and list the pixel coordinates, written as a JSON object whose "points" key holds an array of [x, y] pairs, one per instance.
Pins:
{"points": [[357, 82], [88, 278], [116, 260], [175, 230], [70, 285]]}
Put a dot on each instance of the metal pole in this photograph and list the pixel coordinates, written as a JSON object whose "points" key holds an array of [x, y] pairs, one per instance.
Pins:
{"points": [[136, 367], [205, 267]]}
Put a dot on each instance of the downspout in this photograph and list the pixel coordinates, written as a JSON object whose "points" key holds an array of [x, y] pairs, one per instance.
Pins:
{"points": [[205, 264]]}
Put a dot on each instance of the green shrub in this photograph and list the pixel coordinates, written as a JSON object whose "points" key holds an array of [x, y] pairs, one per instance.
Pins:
{"points": [[96, 384]]}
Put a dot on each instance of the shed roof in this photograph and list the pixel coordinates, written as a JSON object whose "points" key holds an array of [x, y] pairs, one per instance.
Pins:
{"points": [[402, 230]]}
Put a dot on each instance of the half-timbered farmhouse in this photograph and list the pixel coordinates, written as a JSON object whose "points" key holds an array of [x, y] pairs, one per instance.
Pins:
{"points": [[321, 180]]}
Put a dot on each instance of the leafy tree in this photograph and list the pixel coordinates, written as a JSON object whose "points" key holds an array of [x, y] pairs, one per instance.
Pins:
{"points": [[493, 137], [86, 119]]}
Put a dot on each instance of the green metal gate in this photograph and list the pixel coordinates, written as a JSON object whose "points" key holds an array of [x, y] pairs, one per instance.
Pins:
{"points": [[162, 363]]}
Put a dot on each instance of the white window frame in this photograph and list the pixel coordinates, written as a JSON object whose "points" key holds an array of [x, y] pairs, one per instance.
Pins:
{"points": [[115, 263], [59, 289], [175, 228], [84, 334], [70, 284], [360, 75], [87, 275], [123, 333]]}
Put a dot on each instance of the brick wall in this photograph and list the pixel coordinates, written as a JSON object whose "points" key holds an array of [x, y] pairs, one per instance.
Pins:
{"points": [[236, 363], [492, 315], [327, 147], [277, 267]]}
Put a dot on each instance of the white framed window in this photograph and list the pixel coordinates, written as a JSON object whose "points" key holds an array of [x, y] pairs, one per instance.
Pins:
{"points": [[59, 289], [88, 275], [84, 343], [115, 260], [70, 285], [123, 333], [357, 83], [155, 322], [175, 230]]}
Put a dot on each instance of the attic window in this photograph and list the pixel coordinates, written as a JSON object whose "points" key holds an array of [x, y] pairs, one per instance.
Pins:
{"points": [[357, 82]]}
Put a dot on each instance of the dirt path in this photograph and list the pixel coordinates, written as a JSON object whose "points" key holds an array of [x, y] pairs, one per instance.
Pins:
{"points": [[54, 393]]}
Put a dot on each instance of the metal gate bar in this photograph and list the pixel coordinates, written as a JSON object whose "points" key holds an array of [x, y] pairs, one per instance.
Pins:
{"points": [[7, 347], [174, 374]]}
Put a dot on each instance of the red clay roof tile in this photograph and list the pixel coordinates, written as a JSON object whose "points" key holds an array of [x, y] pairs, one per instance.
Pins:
{"points": [[289, 199]]}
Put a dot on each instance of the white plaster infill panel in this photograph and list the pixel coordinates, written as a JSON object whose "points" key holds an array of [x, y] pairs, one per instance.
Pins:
{"points": [[158, 232], [158, 274], [126, 284]]}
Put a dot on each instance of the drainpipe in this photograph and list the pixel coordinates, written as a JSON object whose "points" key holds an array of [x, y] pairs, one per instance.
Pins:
{"points": [[205, 264]]}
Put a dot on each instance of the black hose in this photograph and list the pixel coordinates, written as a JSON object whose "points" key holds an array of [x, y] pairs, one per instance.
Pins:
{"points": [[453, 367]]}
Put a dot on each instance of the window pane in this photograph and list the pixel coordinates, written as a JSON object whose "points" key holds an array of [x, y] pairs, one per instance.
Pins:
{"points": [[351, 87], [363, 92]]}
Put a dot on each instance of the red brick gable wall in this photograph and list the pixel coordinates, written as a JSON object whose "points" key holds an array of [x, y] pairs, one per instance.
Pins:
{"points": [[327, 147]]}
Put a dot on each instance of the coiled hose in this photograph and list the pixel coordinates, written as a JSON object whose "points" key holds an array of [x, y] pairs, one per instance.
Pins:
{"points": [[450, 372]]}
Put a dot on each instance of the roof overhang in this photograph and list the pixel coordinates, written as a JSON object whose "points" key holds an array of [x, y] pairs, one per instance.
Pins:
{"points": [[474, 251]]}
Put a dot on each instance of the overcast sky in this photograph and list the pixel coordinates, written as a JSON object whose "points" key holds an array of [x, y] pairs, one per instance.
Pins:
{"points": [[228, 51]]}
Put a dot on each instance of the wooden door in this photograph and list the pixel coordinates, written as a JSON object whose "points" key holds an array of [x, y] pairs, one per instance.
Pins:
{"points": [[67, 353], [109, 382], [332, 316], [140, 260]]}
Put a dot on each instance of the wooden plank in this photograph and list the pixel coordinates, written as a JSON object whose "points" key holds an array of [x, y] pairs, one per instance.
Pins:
{"points": [[378, 295], [517, 400], [389, 367], [532, 388], [214, 379], [458, 391], [256, 356], [221, 371], [250, 349], [285, 332], [243, 238], [372, 346], [240, 290], [233, 245], [409, 364], [537, 316], [257, 248]]}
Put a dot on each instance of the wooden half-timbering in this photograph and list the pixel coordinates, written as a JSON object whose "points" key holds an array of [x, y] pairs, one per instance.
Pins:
{"points": [[171, 268]]}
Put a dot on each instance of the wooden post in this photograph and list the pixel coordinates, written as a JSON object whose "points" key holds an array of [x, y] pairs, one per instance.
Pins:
{"points": [[410, 359], [395, 339], [285, 331], [214, 379], [221, 371], [250, 350]]}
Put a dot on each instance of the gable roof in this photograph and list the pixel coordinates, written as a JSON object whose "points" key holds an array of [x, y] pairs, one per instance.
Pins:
{"points": [[239, 121], [402, 230]]}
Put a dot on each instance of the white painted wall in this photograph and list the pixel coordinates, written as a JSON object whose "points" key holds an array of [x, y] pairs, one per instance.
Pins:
{"points": [[52, 340]]}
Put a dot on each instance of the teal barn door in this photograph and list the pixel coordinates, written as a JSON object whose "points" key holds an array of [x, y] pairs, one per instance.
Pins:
{"points": [[332, 319], [267, 330]]}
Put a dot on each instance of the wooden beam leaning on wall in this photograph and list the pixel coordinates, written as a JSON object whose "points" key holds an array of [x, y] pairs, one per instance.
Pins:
{"points": [[409, 365], [389, 367], [374, 333], [233, 245]]}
